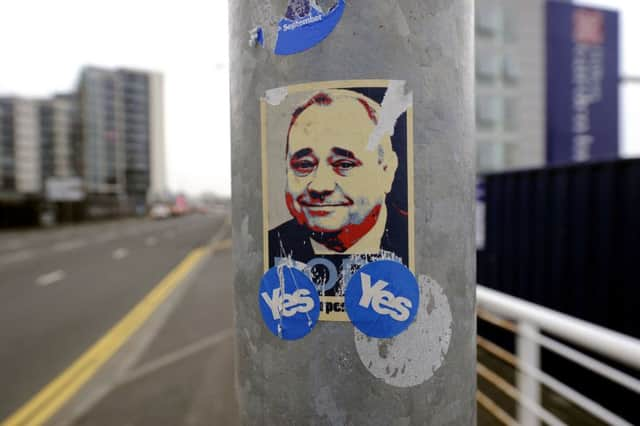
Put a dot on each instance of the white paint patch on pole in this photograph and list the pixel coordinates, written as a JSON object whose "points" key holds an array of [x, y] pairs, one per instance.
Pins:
{"points": [[50, 278], [414, 356], [394, 104]]}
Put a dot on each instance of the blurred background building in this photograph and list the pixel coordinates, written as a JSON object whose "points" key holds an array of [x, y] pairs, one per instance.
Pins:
{"points": [[547, 87], [547, 77], [97, 152], [510, 84], [556, 211]]}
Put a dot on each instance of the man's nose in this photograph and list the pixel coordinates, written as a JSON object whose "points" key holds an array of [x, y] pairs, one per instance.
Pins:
{"points": [[322, 184]]}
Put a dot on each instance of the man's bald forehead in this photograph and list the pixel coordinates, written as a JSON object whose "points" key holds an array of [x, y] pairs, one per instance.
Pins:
{"points": [[328, 98], [333, 98]]}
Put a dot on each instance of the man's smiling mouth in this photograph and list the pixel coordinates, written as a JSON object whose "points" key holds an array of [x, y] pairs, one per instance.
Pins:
{"points": [[320, 206], [324, 204]]}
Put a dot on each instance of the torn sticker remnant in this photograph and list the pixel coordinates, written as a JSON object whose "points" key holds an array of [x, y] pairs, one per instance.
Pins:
{"points": [[304, 25], [256, 37]]}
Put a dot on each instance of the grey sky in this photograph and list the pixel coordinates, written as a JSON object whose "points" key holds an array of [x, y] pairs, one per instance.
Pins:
{"points": [[46, 42]]}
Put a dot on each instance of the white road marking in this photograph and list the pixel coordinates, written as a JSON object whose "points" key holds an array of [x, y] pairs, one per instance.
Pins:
{"points": [[120, 253], [14, 244], [151, 241], [180, 354], [18, 256], [138, 231], [50, 278], [64, 235], [69, 245], [110, 236]]}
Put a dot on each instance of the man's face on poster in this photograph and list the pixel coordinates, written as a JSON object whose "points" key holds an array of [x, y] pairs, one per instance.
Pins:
{"points": [[334, 179]]}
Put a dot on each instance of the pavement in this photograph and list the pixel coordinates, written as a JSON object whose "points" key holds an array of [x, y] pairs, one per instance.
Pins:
{"points": [[62, 290], [185, 376]]}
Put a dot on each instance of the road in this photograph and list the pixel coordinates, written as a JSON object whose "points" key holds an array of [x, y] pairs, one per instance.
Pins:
{"points": [[61, 290]]}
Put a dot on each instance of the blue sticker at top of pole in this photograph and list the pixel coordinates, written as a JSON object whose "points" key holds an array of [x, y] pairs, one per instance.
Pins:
{"points": [[382, 299], [289, 302], [305, 25]]}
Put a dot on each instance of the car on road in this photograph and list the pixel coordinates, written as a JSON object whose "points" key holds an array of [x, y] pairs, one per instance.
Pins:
{"points": [[160, 211]]}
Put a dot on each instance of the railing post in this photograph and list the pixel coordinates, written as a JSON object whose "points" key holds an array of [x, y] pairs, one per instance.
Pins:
{"points": [[528, 352]]}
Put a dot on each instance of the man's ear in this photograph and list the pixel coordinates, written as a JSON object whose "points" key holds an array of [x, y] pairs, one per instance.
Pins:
{"points": [[389, 167]]}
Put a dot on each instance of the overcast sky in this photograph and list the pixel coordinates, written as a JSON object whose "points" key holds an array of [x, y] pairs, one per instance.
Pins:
{"points": [[45, 43]]}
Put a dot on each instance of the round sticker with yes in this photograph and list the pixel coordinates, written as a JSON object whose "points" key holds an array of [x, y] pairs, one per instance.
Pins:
{"points": [[382, 299], [289, 302]]}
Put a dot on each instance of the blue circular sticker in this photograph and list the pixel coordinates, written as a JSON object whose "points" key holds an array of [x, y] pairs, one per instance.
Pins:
{"points": [[289, 302], [382, 299]]}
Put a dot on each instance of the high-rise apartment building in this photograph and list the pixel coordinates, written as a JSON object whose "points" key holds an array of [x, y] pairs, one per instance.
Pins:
{"points": [[101, 118], [510, 84], [158, 185], [96, 152], [122, 133], [7, 156], [59, 140], [20, 154]]}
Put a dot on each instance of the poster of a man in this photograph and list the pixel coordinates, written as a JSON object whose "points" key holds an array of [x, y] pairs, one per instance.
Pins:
{"points": [[336, 191]]}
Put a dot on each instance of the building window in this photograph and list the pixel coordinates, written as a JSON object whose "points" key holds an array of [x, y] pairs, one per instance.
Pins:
{"points": [[490, 156], [487, 66], [511, 69], [511, 110], [488, 112], [488, 18], [510, 29]]}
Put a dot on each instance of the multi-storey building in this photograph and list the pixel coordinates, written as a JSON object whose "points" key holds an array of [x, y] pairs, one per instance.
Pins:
{"points": [[102, 132], [58, 138], [122, 135], [101, 148], [510, 84], [20, 159], [7, 156], [158, 185]]}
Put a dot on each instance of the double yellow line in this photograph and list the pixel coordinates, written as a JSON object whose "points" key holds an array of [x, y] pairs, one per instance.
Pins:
{"points": [[53, 396]]}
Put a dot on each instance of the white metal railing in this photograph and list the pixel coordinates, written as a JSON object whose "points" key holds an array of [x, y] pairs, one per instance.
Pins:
{"points": [[527, 320]]}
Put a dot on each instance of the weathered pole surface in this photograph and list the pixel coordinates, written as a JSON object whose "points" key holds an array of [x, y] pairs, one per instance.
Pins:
{"points": [[336, 375]]}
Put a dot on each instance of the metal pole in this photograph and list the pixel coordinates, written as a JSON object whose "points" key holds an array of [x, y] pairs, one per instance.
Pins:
{"points": [[337, 374]]}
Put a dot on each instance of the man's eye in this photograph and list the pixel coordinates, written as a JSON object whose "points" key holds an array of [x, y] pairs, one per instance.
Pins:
{"points": [[303, 166], [344, 165]]}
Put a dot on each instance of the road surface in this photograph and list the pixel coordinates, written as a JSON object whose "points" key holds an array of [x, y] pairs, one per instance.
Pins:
{"points": [[61, 290]]}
